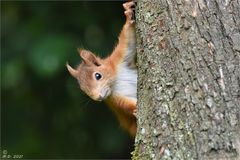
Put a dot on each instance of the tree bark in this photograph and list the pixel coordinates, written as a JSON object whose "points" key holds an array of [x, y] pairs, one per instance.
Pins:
{"points": [[188, 54]]}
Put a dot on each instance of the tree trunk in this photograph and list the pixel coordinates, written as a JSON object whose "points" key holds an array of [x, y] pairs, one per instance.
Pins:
{"points": [[188, 79]]}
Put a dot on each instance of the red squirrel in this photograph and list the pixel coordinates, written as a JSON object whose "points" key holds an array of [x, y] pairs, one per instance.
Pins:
{"points": [[113, 79]]}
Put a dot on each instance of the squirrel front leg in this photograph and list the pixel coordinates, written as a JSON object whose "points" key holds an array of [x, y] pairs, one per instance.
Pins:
{"points": [[125, 110], [126, 44], [128, 105], [123, 100]]}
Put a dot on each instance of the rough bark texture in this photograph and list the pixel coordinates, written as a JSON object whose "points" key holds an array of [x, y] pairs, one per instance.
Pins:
{"points": [[189, 79]]}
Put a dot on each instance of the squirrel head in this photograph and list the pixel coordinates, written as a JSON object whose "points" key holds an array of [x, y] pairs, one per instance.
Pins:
{"points": [[95, 75]]}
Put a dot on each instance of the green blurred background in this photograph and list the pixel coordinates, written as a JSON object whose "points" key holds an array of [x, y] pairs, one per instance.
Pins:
{"points": [[43, 112]]}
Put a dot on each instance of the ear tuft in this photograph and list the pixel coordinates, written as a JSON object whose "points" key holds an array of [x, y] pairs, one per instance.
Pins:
{"points": [[88, 57], [72, 71]]}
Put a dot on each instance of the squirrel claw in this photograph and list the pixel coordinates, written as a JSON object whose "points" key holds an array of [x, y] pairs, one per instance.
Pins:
{"points": [[130, 16], [132, 21], [128, 5], [135, 112], [129, 11]]}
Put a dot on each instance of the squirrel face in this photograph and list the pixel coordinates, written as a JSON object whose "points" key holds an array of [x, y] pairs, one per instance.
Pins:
{"points": [[94, 76]]}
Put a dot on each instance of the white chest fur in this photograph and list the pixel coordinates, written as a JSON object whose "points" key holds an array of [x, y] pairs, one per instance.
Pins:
{"points": [[126, 82]]}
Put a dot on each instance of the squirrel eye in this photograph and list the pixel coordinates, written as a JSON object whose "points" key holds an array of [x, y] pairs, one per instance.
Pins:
{"points": [[98, 76]]}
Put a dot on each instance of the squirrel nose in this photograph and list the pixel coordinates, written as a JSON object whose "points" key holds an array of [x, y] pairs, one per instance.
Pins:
{"points": [[100, 98]]}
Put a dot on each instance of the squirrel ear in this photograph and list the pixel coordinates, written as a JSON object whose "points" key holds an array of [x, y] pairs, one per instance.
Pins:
{"points": [[88, 57], [72, 71]]}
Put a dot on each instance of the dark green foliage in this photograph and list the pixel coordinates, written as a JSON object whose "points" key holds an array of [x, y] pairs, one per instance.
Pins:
{"points": [[43, 112]]}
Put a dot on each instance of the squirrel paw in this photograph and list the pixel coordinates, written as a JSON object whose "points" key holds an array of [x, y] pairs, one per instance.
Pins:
{"points": [[129, 11], [135, 112]]}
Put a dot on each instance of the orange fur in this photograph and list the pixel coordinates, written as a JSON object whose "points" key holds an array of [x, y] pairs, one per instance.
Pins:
{"points": [[124, 109], [103, 89]]}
